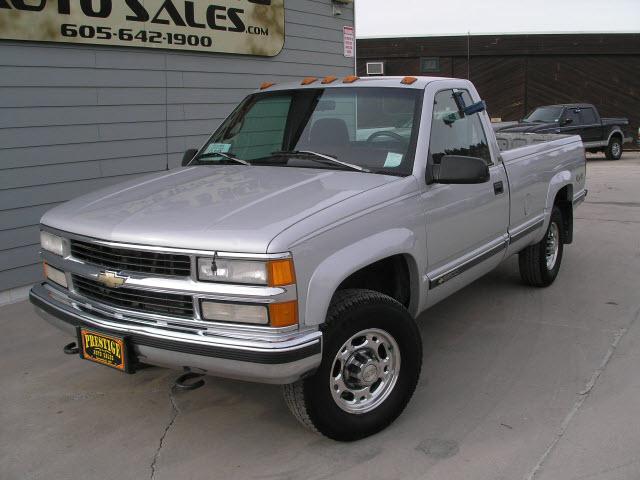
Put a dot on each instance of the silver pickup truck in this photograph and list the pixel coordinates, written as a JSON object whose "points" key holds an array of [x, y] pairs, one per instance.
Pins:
{"points": [[301, 242]]}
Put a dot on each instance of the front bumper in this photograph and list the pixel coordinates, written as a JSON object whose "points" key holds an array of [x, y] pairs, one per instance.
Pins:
{"points": [[280, 360]]}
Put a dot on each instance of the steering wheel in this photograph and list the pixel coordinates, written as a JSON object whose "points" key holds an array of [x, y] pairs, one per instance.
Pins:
{"points": [[387, 133]]}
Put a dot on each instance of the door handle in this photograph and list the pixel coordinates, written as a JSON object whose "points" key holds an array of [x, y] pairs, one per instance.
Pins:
{"points": [[498, 188]]}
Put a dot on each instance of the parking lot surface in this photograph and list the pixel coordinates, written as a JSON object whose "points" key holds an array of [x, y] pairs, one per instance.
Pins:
{"points": [[517, 383]]}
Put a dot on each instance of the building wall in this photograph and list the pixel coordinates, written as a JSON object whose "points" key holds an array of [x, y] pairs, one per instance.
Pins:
{"points": [[516, 73], [76, 118]]}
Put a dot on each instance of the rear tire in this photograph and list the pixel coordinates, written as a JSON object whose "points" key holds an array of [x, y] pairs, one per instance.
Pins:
{"points": [[372, 356], [614, 150], [540, 263]]}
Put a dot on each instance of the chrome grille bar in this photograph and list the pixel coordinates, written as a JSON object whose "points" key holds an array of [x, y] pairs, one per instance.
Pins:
{"points": [[134, 299], [132, 260]]}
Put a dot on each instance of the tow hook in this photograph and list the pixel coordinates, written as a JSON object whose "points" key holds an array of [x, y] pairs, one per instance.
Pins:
{"points": [[71, 349], [189, 380]]}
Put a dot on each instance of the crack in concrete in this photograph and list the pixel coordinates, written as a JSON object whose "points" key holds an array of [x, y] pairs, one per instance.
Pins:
{"points": [[175, 411], [584, 394]]}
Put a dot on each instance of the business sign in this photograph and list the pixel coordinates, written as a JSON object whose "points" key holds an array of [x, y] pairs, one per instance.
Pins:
{"points": [[248, 27], [348, 41]]}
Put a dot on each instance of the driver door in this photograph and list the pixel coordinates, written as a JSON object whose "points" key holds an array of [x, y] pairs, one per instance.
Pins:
{"points": [[466, 224]]}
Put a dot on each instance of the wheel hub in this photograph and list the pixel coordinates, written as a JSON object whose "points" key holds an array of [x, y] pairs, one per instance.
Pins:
{"points": [[365, 370], [552, 245], [615, 149], [362, 369]]}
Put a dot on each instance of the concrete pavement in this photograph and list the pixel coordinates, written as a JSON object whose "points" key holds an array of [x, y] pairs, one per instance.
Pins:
{"points": [[517, 383]]}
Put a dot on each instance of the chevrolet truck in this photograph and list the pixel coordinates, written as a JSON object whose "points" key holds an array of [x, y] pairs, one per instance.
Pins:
{"points": [[301, 242]]}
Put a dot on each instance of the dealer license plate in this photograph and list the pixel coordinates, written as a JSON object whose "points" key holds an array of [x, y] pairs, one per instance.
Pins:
{"points": [[110, 350]]}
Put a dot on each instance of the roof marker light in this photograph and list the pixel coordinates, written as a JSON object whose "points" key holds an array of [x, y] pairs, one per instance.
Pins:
{"points": [[409, 80], [329, 79], [266, 85], [308, 80], [350, 79]]}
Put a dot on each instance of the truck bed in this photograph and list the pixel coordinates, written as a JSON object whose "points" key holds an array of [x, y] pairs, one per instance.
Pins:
{"points": [[517, 145]]}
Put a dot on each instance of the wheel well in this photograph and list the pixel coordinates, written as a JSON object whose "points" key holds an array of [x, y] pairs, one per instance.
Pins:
{"points": [[564, 201], [389, 276], [616, 134]]}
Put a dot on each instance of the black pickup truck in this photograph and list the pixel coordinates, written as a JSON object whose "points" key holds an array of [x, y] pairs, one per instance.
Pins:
{"points": [[598, 134]]}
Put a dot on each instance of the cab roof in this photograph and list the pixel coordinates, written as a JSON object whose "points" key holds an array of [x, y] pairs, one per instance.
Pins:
{"points": [[378, 81]]}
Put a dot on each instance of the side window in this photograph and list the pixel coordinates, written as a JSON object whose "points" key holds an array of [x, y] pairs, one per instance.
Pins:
{"points": [[572, 113], [588, 116], [452, 134]]}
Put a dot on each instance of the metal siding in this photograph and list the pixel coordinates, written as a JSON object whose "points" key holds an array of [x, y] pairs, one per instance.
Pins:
{"points": [[74, 118]]}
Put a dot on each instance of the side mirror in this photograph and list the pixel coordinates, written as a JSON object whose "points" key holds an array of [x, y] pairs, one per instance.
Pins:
{"points": [[567, 121], [188, 156], [456, 169]]}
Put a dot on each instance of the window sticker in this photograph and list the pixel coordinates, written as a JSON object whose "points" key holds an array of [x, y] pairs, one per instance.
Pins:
{"points": [[393, 159], [218, 148]]}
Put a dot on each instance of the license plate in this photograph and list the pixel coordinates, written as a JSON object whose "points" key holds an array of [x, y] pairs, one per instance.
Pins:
{"points": [[110, 350]]}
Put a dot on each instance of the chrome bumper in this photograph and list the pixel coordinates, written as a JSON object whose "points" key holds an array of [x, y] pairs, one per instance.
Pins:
{"points": [[282, 359]]}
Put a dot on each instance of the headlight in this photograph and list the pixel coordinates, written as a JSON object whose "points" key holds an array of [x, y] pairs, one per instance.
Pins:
{"points": [[232, 271], [51, 243], [233, 312], [272, 272]]}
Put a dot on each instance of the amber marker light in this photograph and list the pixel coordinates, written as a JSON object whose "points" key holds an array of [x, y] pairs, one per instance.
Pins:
{"points": [[280, 273], [308, 80], [266, 85], [283, 314], [329, 79], [350, 79], [409, 80]]}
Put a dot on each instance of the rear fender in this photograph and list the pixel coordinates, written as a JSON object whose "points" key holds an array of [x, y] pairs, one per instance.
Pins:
{"points": [[558, 182], [615, 131]]}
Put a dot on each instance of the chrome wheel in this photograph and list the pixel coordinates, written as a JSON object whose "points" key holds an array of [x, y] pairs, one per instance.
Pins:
{"points": [[616, 149], [364, 371], [552, 245]]}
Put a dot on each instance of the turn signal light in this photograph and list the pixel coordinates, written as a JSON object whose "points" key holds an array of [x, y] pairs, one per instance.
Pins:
{"points": [[280, 272], [283, 314], [350, 79], [409, 80]]}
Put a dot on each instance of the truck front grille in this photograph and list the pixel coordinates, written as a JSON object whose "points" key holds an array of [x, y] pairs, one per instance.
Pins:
{"points": [[136, 300], [132, 260]]}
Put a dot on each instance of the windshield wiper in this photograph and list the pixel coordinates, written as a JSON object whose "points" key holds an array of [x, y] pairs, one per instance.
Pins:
{"points": [[220, 154], [323, 157]]}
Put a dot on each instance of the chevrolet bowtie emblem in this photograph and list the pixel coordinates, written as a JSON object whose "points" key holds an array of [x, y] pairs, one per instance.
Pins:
{"points": [[111, 279]]}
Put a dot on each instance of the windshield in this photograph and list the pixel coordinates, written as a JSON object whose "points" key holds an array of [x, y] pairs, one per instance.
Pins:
{"points": [[371, 128], [544, 115]]}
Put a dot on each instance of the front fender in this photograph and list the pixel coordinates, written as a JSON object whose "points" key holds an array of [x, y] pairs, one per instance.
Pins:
{"points": [[336, 268]]}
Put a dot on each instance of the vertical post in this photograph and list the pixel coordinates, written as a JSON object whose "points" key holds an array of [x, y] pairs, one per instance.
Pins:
{"points": [[355, 41], [468, 55]]}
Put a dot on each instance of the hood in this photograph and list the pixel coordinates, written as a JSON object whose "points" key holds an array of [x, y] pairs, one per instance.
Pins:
{"points": [[225, 207], [527, 127]]}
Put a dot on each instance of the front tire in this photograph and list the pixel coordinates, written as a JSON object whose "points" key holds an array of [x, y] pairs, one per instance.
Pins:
{"points": [[540, 263], [614, 149], [372, 356]]}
